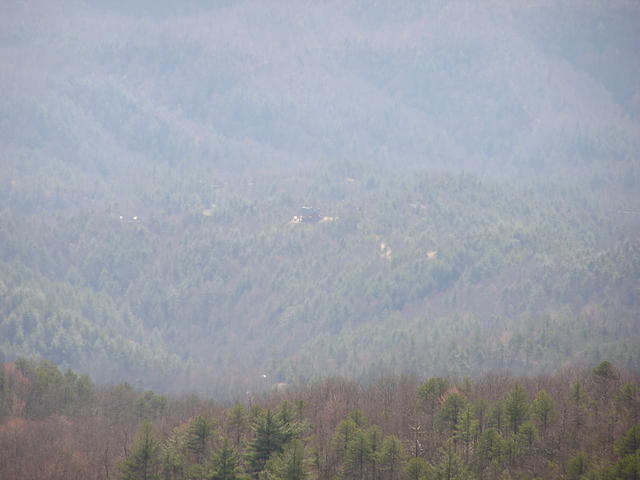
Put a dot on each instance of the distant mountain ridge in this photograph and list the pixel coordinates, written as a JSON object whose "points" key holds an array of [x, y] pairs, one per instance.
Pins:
{"points": [[476, 159]]}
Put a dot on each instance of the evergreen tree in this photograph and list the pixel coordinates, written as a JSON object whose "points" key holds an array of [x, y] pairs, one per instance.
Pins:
{"points": [[578, 399], [291, 464], [481, 412], [199, 435], [391, 458], [291, 427], [225, 464], [577, 394], [628, 468], [142, 463], [510, 450], [358, 456], [285, 414], [451, 466], [150, 406], [489, 451], [496, 417], [526, 435], [630, 443], [374, 438], [269, 438], [604, 375], [543, 410], [172, 464], [628, 397], [577, 466], [359, 418], [236, 423], [516, 408], [466, 430], [345, 432], [605, 371], [431, 392], [451, 409], [418, 469]]}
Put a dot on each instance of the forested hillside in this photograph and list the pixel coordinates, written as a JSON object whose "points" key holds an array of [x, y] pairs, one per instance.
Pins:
{"points": [[573, 425], [225, 195]]}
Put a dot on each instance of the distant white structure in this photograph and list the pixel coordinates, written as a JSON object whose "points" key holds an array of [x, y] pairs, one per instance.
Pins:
{"points": [[385, 251], [280, 387], [307, 214]]}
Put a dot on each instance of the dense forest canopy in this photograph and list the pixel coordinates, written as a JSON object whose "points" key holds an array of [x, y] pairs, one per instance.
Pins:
{"points": [[469, 173]]}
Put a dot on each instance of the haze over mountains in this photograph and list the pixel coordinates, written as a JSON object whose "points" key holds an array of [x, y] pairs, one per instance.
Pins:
{"points": [[472, 166]]}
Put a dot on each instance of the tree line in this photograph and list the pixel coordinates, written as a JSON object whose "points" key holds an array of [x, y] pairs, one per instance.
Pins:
{"points": [[575, 424]]}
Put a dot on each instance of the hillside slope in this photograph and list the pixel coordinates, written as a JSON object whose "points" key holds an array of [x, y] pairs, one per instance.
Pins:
{"points": [[476, 162]]}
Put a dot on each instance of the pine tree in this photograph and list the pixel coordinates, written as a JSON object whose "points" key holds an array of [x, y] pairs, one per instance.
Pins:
{"points": [[577, 466], [358, 456], [200, 432], [391, 457], [291, 464], [417, 469], [496, 417], [516, 407], [172, 464], [172, 460], [628, 468], [431, 392], [225, 464], [374, 438], [630, 443], [291, 427], [142, 464], [345, 431], [526, 435], [543, 410], [628, 398], [269, 438], [605, 371], [466, 430], [451, 466], [359, 418], [489, 451], [578, 399], [604, 375], [236, 423], [452, 409]]}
